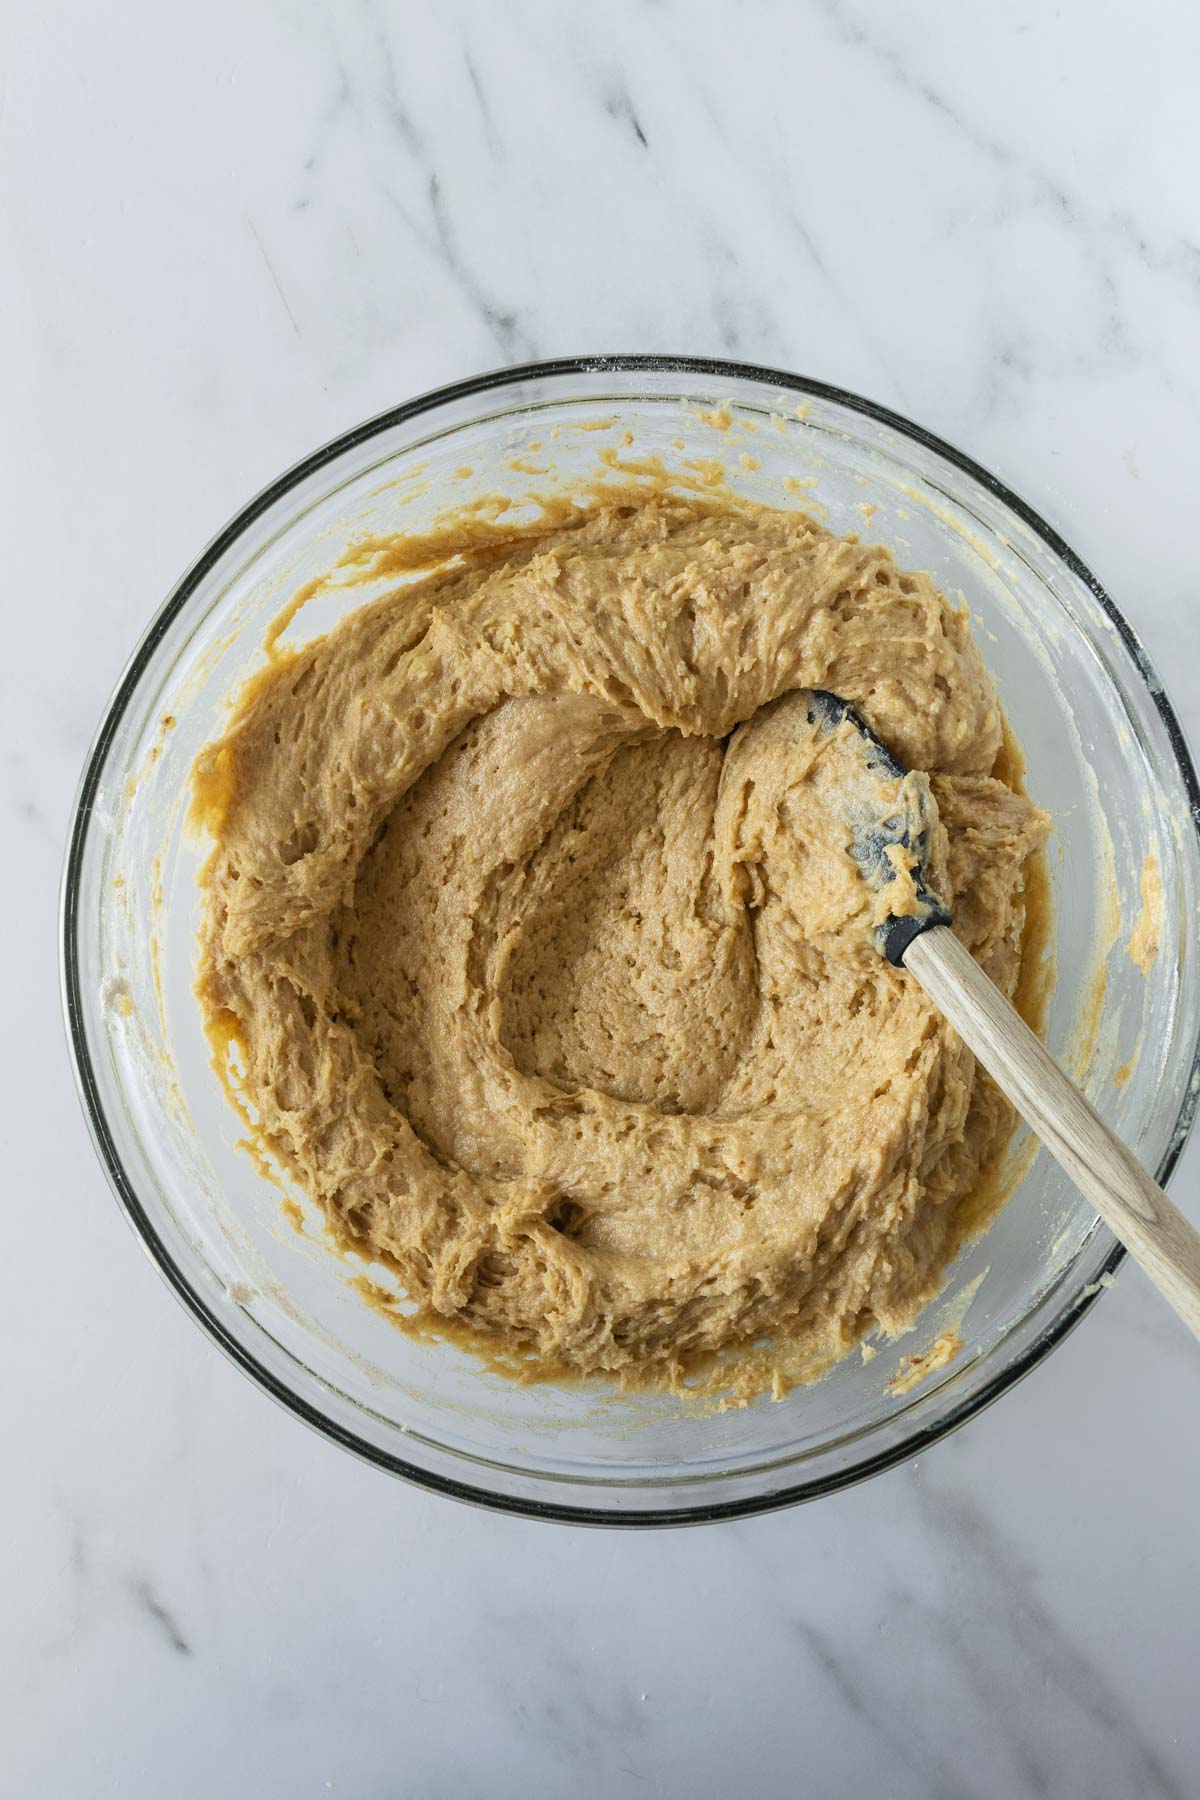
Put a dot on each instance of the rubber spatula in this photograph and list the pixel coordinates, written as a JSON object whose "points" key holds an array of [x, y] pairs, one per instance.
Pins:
{"points": [[889, 811]]}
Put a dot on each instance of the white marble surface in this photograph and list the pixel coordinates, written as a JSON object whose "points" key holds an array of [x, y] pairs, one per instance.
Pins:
{"points": [[231, 232]]}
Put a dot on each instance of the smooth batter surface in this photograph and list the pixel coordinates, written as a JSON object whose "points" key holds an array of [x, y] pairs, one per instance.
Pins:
{"points": [[550, 973]]}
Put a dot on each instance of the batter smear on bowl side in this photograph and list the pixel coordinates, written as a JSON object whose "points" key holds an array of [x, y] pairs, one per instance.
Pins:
{"points": [[551, 978]]}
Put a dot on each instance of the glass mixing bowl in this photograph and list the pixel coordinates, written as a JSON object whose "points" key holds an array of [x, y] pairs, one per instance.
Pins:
{"points": [[1105, 754]]}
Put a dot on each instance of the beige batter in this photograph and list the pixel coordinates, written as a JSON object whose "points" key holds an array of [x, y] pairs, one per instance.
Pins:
{"points": [[1145, 940], [550, 974]]}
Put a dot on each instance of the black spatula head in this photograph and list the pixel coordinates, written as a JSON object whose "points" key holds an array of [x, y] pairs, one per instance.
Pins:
{"points": [[887, 813]]}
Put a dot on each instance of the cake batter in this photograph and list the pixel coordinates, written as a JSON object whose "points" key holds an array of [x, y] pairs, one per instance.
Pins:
{"points": [[553, 982]]}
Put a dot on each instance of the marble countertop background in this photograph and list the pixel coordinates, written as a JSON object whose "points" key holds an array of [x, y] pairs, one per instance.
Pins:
{"points": [[231, 232]]}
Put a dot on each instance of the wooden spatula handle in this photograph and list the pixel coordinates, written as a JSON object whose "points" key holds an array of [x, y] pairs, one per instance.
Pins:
{"points": [[1134, 1206]]}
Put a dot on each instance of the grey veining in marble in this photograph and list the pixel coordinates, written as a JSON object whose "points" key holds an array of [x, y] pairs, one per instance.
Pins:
{"points": [[227, 237]]}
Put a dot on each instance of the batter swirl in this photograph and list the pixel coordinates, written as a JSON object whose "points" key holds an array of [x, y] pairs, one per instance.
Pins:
{"points": [[553, 983]]}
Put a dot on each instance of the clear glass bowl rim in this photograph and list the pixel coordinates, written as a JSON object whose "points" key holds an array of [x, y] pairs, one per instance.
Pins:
{"points": [[710, 369]]}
